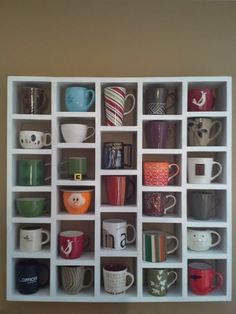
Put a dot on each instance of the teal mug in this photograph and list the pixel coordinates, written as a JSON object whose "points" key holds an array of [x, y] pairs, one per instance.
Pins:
{"points": [[79, 99], [32, 172], [32, 206]]}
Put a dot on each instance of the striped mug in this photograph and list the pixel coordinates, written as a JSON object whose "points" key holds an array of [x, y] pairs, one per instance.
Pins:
{"points": [[156, 245]]}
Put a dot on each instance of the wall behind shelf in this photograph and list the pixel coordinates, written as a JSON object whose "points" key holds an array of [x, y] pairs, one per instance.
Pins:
{"points": [[112, 38]]}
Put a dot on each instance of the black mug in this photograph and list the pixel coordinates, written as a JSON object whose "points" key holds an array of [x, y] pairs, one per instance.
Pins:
{"points": [[30, 276], [114, 155]]}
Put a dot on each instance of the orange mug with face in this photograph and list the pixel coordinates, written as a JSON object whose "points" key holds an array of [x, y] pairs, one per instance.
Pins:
{"points": [[159, 172]]}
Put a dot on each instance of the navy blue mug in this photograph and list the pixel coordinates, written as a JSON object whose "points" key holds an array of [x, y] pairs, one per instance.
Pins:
{"points": [[115, 155]]}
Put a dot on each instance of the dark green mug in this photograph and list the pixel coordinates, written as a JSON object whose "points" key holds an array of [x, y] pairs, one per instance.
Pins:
{"points": [[74, 166], [31, 172], [31, 206]]}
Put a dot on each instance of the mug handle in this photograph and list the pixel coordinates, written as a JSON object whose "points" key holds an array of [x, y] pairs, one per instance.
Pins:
{"points": [[90, 135], [90, 91], [86, 241], [219, 123], [219, 282], [174, 99], [129, 148], [47, 237], [176, 246], [219, 172], [89, 284], [134, 233], [218, 238], [133, 105], [47, 135], [170, 273], [132, 280], [133, 188], [175, 174], [172, 205], [41, 283], [46, 165], [61, 166], [43, 93]]}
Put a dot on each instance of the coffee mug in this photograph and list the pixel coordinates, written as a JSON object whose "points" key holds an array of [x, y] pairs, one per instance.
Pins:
{"points": [[32, 172], [77, 201], [76, 167], [31, 276], [159, 100], [72, 244], [115, 98], [31, 206], [200, 170], [201, 99], [117, 189], [34, 100], [31, 238], [202, 204], [203, 131], [114, 234], [73, 278], [158, 173], [156, 245], [79, 99], [202, 240], [34, 139], [76, 133], [158, 203], [202, 277], [115, 278], [157, 133], [114, 155], [160, 280]]}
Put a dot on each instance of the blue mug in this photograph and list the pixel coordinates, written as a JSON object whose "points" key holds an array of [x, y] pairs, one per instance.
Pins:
{"points": [[79, 98]]}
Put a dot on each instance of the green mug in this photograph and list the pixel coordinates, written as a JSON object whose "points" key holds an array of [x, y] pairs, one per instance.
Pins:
{"points": [[32, 172], [160, 280], [75, 166], [31, 206]]}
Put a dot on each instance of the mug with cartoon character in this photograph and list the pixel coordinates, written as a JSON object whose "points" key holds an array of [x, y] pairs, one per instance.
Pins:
{"points": [[77, 201]]}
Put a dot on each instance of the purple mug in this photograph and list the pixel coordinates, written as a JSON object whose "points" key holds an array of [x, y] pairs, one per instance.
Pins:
{"points": [[158, 133]]}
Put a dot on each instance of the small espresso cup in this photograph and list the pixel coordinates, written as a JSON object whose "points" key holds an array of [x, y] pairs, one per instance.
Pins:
{"points": [[31, 238], [76, 133], [114, 154], [34, 100], [32, 172], [79, 99], [158, 203], [200, 170], [114, 234], [160, 280], [159, 173], [74, 278], [34, 139], [203, 131], [156, 245], [201, 99], [202, 240], [31, 206], [115, 278], [31, 276], [75, 166], [72, 244], [159, 100], [202, 278], [202, 204], [158, 133], [115, 98]]}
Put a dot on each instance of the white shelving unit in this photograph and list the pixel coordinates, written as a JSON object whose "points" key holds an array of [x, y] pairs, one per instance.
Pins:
{"points": [[133, 132]]}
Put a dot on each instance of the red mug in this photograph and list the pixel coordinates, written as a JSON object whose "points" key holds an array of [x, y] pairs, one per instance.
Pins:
{"points": [[72, 244], [201, 99], [201, 277], [116, 189]]}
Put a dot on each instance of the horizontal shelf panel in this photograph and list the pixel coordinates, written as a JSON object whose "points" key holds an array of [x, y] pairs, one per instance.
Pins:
{"points": [[41, 220], [211, 186], [33, 117], [86, 259], [207, 149], [44, 253], [131, 250], [23, 151], [165, 151], [84, 295], [41, 295], [171, 262], [76, 145], [38, 188], [210, 254], [207, 114], [75, 182], [113, 209], [68, 216], [173, 293], [162, 188], [121, 128], [174, 117], [211, 223], [122, 297], [67, 114], [163, 219], [122, 172]]}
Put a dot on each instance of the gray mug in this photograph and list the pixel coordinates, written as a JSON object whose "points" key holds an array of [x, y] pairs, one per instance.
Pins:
{"points": [[202, 204]]}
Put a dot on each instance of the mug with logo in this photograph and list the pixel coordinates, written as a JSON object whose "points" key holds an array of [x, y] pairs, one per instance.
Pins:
{"points": [[32, 206], [114, 154], [32, 172], [116, 278], [74, 278], [160, 280], [159, 173], [157, 245], [202, 204], [79, 98], [72, 244], [200, 170], [203, 131], [201, 99], [114, 234], [34, 100], [34, 139], [158, 133], [202, 240], [76, 133], [158, 203], [76, 167], [159, 100], [115, 98], [31, 276], [203, 279], [31, 238]]}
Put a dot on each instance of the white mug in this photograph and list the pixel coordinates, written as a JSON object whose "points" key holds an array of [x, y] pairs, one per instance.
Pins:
{"points": [[200, 170], [34, 139], [31, 238], [202, 240], [76, 133], [114, 233]]}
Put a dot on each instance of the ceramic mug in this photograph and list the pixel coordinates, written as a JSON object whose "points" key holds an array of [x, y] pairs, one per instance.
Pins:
{"points": [[115, 98], [77, 201], [32, 172], [202, 240], [200, 170], [158, 133], [76, 133], [34, 139], [158, 203], [76, 167], [31, 206], [159, 100], [160, 280], [202, 204], [34, 99], [201, 99], [72, 244], [114, 154], [114, 234], [79, 99], [158, 173], [115, 278], [31, 238], [73, 278], [202, 277]]}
